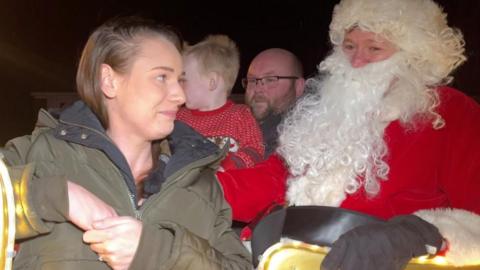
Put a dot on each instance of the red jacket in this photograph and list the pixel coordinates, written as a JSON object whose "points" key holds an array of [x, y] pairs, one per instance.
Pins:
{"points": [[434, 174], [428, 169], [253, 190]]}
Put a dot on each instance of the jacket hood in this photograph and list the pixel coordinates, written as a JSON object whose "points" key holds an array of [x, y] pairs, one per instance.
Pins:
{"points": [[80, 114], [78, 124]]}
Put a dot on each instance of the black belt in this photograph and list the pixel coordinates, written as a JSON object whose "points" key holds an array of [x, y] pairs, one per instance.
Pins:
{"points": [[318, 225]]}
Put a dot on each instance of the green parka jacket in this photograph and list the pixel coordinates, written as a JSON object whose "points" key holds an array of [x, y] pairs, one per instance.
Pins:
{"points": [[186, 222]]}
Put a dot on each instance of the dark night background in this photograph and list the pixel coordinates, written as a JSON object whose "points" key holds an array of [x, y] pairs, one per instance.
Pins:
{"points": [[41, 40]]}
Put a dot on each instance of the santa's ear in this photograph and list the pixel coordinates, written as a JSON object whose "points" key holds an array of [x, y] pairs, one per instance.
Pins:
{"points": [[108, 81]]}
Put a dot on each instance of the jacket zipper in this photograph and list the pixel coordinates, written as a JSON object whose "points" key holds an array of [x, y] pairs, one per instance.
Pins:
{"points": [[169, 181]]}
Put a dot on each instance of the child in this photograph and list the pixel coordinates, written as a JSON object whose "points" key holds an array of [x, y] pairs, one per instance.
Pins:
{"points": [[211, 68]]}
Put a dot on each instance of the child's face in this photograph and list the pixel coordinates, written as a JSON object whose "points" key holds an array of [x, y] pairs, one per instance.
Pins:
{"points": [[196, 85]]}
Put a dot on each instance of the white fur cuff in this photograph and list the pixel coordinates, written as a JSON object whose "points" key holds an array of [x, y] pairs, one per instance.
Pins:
{"points": [[461, 228]]}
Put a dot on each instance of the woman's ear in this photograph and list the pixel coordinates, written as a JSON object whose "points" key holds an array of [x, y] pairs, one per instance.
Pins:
{"points": [[107, 83]]}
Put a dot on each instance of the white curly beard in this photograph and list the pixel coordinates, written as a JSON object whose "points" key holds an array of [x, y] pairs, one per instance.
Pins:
{"points": [[335, 133]]}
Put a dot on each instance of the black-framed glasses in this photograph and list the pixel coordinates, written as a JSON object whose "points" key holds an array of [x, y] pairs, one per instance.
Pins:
{"points": [[268, 81]]}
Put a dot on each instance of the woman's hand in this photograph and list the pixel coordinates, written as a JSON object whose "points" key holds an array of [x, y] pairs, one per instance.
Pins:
{"points": [[115, 240], [86, 208]]}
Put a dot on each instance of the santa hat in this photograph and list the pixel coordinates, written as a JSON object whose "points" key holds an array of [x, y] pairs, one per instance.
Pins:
{"points": [[417, 27]]}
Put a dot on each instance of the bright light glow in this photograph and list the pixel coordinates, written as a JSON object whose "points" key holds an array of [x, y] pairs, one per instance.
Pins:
{"points": [[8, 217]]}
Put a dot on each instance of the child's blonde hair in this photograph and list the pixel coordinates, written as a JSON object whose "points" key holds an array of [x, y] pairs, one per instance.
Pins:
{"points": [[217, 53]]}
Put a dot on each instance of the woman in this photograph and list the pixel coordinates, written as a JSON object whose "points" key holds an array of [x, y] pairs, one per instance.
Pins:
{"points": [[103, 187]]}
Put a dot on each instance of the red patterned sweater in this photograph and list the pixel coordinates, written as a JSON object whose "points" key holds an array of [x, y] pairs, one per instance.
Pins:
{"points": [[233, 123]]}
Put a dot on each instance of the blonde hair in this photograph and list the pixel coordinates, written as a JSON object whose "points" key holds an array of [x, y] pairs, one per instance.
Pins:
{"points": [[417, 27], [219, 54]]}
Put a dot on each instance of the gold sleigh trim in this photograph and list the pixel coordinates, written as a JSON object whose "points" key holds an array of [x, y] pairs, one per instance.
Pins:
{"points": [[297, 255], [7, 218]]}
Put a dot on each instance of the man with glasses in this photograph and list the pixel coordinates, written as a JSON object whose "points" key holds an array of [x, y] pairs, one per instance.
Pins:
{"points": [[273, 83]]}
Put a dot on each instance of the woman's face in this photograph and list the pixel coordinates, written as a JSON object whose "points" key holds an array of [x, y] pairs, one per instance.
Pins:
{"points": [[362, 47], [147, 98]]}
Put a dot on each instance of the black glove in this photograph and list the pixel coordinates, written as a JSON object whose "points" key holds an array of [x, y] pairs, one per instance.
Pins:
{"points": [[383, 246]]}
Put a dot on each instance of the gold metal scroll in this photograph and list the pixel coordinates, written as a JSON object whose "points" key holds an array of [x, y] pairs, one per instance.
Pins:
{"points": [[296, 255], [7, 218]]}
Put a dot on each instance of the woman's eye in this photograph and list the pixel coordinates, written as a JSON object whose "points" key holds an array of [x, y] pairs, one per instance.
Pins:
{"points": [[161, 78], [375, 49]]}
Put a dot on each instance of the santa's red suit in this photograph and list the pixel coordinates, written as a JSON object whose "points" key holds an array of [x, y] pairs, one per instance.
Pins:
{"points": [[434, 173]]}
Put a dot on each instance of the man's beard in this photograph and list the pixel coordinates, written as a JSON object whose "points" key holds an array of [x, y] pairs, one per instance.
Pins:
{"points": [[335, 133], [263, 106], [260, 106]]}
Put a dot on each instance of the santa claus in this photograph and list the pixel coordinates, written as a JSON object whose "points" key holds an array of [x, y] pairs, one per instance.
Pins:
{"points": [[379, 132]]}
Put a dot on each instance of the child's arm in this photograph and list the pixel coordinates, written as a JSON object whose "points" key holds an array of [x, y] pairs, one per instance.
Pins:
{"points": [[250, 141], [251, 191]]}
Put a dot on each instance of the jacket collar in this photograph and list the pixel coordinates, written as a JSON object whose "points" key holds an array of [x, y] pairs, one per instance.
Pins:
{"points": [[188, 146], [190, 150], [81, 115]]}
